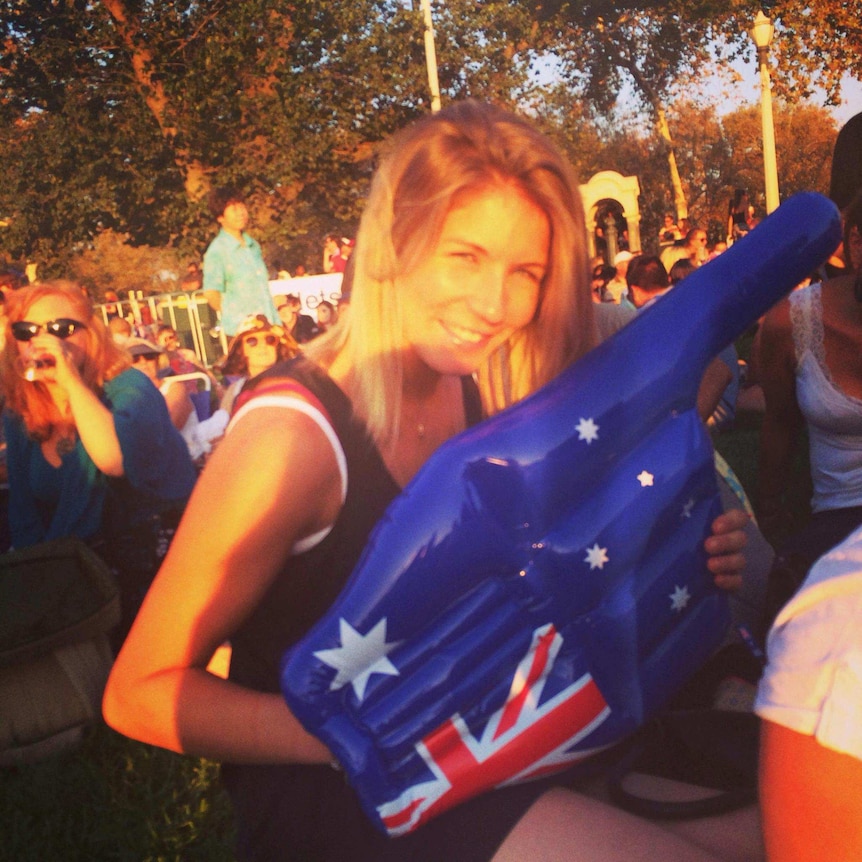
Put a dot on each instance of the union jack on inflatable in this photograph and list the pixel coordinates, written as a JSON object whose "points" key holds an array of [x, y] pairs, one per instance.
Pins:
{"points": [[539, 590]]}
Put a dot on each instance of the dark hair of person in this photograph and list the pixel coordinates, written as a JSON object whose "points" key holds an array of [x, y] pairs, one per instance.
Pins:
{"points": [[221, 198], [604, 271], [680, 270], [333, 311], [736, 201], [852, 222], [846, 174], [647, 272]]}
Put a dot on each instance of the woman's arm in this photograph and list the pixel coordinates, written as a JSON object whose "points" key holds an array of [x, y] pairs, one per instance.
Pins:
{"points": [[273, 480], [715, 380], [810, 798], [94, 423], [180, 405], [782, 421]]}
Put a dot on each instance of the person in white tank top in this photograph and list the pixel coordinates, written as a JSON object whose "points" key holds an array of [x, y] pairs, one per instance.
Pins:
{"points": [[810, 353]]}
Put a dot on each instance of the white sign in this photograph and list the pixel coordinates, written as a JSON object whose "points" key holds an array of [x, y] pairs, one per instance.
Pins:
{"points": [[311, 289]]}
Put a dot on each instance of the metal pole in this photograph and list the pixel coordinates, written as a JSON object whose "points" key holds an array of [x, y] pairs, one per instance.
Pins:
{"points": [[431, 56], [770, 165]]}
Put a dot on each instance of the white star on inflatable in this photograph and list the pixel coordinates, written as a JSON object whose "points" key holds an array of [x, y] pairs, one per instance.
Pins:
{"points": [[645, 478], [687, 508], [587, 430], [679, 598], [596, 556], [358, 657]]}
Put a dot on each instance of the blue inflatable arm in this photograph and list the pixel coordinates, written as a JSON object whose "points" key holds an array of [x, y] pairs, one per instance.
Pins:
{"points": [[540, 589]]}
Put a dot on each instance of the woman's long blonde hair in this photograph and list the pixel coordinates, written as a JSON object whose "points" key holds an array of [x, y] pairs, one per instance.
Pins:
{"points": [[103, 360], [467, 147]]}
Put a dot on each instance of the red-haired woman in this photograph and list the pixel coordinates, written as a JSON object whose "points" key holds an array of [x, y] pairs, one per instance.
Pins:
{"points": [[91, 449]]}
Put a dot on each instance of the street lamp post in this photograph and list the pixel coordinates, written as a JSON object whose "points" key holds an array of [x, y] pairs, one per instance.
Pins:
{"points": [[761, 33], [431, 56]]}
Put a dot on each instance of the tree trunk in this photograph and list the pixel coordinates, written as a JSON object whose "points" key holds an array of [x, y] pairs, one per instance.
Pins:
{"points": [[679, 198], [195, 174], [680, 202]]}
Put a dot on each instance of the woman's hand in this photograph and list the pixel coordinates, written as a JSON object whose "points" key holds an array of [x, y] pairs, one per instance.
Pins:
{"points": [[726, 559], [62, 368], [93, 420]]}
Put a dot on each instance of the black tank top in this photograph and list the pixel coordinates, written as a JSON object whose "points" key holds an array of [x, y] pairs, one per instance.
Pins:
{"points": [[310, 581], [298, 813]]}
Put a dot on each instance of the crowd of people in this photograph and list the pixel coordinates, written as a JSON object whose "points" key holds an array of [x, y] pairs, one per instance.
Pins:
{"points": [[468, 290]]}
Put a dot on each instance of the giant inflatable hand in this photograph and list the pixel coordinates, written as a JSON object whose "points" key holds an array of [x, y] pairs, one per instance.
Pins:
{"points": [[540, 589]]}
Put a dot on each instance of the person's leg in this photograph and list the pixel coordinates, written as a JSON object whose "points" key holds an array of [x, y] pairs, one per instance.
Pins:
{"points": [[562, 825], [736, 835]]}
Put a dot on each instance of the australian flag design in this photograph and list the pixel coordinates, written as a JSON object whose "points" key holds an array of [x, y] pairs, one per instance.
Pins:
{"points": [[539, 590], [527, 737]]}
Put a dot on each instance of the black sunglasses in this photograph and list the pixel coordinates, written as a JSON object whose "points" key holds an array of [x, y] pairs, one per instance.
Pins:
{"points": [[251, 340], [62, 327]]}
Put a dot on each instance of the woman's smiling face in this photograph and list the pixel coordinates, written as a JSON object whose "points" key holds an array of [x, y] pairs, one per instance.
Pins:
{"points": [[480, 283]]}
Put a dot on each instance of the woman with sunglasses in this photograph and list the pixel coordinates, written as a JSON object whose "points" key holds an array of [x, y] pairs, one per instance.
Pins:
{"points": [[471, 259], [257, 345], [92, 451]]}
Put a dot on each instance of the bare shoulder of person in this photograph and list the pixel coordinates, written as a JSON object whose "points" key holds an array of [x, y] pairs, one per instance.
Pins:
{"points": [[285, 454]]}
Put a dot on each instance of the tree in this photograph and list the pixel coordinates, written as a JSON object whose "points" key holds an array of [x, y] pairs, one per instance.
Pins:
{"points": [[113, 263], [120, 114], [600, 42], [805, 136], [814, 43], [718, 154], [660, 47]]}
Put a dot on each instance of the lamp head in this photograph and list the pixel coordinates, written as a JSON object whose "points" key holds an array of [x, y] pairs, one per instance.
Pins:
{"points": [[762, 31]]}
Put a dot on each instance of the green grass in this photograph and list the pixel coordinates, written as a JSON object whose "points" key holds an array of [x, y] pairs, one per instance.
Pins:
{"points": [[114, 799]]}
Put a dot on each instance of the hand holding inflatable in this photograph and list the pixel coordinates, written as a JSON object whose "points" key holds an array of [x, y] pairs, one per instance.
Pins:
{"points": [[540, 589]]}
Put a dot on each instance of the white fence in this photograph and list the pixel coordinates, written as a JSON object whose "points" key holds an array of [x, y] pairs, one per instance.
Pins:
{"points": [[197, 324]]}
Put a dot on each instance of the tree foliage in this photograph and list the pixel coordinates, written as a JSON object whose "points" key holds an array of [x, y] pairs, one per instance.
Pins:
{"points": [[661, 48], [718, 154], [815, 43], [118, 115], [111, 262]]}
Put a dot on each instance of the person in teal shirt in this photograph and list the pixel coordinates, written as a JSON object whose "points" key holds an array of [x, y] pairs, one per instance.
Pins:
{"points": [[91, 449], [235, 278]]}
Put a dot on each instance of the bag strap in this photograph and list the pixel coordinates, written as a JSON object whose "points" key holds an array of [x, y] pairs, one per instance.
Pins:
{"points": [[708, 748]]}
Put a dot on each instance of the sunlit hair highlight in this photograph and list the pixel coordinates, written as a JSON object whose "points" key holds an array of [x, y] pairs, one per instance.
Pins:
{"points": [[103, 360], [443, 158]]}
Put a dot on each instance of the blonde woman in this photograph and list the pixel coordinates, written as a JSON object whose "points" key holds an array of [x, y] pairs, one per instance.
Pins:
{"points": [[471, 258]]}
